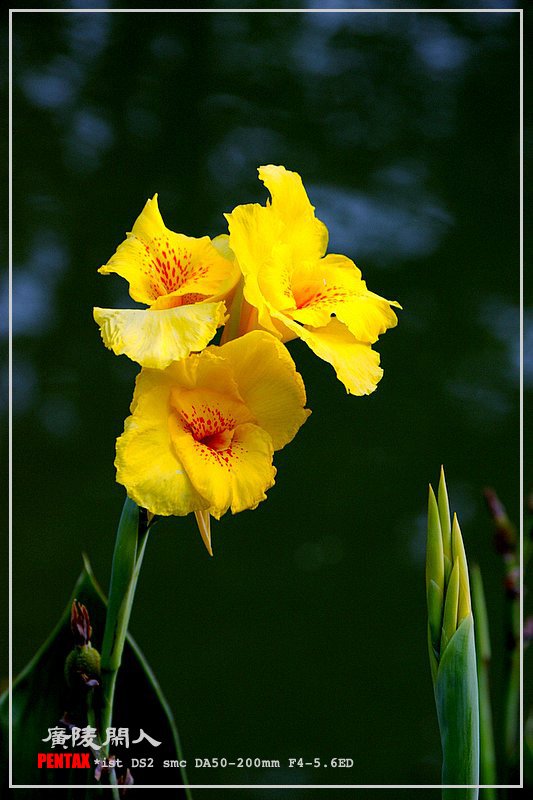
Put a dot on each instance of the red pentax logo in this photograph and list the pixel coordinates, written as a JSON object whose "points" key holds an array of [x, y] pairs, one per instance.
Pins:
{"points": [[62, 760]]}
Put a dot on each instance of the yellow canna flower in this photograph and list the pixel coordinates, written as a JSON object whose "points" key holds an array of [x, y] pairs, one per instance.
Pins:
{"points": [[292, 288], [183, 281], [202, 432]]}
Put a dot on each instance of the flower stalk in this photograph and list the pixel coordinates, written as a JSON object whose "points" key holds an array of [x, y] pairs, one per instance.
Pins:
{"points": [[132, 535], [506, 543], [487, 764], [452, 650]]}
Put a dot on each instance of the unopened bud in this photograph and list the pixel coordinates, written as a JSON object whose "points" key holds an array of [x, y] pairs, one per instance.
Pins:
{"points": [[505, 532], [82, 665], [124, 781], [512, 583], [108, 767], [528, 631], [80, 623]]}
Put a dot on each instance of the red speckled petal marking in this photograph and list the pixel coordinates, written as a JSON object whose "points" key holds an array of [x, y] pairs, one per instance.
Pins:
{"points": [[169, 267], [166, 269]]}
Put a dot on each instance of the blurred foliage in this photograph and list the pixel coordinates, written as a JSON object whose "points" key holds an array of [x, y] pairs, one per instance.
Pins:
{"points": [[404, 128]]}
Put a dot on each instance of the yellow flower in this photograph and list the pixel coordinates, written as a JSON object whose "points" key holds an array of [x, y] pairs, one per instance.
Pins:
{"points": [[293, 288], [183, 281], [202, 432]]}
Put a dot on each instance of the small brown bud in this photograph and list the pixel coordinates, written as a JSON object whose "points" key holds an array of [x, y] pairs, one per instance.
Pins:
{"points": [[125, 780], [108, 767], [529, 500], [512, 583], [80, 624], [504, 530], [82, 665]]}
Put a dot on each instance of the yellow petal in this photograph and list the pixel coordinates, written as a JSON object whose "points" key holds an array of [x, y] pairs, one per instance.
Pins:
{"points": [[198, 438], [320, 287], [163, 267], [227, 286], [156, 338], [302, 230], [227, 458], [356, 364], [275, 278], [146, 461], [131, 257], [334, 285], [267, 241], [221, 244], [367, 316], [203, 370], [287, 335], [236, 477], [253, 472], [268, 383], [254, 231], [208, 412], [188, 267], [279, 249]]}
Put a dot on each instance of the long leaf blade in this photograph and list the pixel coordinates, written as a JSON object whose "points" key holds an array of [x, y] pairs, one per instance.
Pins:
{"points": [[41, 696], [456, 695]]}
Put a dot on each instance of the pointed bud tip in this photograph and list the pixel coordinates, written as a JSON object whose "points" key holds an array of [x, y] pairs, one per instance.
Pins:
{"points": [[80, 623], [203, 520], [443, 489], [206, 539]]}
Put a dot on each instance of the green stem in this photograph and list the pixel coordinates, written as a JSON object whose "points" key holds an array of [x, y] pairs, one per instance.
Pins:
{"points": [[130, 544], [487, 757], [512, 693], [506, 542], [114, 785], [91, 720], [512, 667]]}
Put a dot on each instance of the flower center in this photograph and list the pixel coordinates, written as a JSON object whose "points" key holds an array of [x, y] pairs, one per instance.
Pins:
{"points": [[218, 441], [208, 421], [209, 426], [169, 268]]}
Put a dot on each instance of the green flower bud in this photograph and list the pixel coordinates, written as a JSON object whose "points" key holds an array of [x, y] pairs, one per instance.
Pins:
{"points": [[82, 667]]}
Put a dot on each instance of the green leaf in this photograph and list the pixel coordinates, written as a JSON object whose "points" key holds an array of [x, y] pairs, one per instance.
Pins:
{"points": [[434, 572], [456, 695], [123, 571], [487, 755], [528, 752], [41, 696]]}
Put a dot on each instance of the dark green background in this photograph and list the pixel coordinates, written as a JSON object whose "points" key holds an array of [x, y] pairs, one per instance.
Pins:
{"points": [[305, 634]]}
